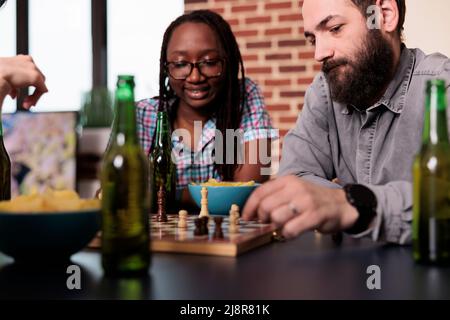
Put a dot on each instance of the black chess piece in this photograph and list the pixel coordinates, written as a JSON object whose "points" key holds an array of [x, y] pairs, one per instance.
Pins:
{"points": [[204, 225], [218, 233], [162, 214], [198, 227]]}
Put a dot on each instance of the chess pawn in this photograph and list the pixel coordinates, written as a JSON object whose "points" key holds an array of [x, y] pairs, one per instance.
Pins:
{"points": [[204, 203], [234, 216], [234, 207], [182, 222], [233, 227]]}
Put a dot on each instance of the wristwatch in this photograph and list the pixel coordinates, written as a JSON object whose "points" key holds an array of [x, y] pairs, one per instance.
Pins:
{"points": [[365, 202]]}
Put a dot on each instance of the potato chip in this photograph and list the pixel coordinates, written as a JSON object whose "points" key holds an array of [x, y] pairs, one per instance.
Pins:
{"points": [[49, 201], [215, 183]]}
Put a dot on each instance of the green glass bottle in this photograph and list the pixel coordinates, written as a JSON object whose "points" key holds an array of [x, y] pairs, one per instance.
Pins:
{"points": [[125, 192], [431, 218], [5, 169], [163, 169]]}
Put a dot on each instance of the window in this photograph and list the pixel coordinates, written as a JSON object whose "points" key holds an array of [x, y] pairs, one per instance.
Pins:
{"points": [[60, 43], [8, 42], [135, 32]]}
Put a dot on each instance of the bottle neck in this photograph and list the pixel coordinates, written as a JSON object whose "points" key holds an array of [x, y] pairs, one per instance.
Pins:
{"points": [[163, 138], [435, 127], [124, 128]]}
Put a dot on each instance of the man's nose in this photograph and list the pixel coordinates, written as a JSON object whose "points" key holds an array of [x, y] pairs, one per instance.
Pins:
{"points": [[323, 51]]}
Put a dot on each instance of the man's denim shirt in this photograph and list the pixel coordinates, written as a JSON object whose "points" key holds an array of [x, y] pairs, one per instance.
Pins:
{"points": [[375, 147]]}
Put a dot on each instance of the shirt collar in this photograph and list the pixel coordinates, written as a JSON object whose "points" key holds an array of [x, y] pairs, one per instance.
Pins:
{"points": [[395, 95]]}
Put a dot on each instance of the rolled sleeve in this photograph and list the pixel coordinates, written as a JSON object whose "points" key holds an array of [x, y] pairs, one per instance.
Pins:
{"points": [[394, 212]]}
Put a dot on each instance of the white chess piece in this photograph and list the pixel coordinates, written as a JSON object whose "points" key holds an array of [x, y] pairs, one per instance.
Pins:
{"points": [[204, 203], [233, 226], [234, 213], [182, 216]]}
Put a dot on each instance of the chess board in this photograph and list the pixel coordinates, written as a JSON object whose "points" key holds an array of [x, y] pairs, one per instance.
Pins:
{"points": [[167, 237]]}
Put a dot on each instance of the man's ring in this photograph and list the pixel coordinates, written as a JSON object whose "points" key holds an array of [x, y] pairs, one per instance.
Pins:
{"points": [[293, 209]]}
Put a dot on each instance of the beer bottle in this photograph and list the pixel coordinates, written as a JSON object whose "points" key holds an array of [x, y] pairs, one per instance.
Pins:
{"points": [[125, 192], [5, 169], [431, 218], [163, 169]]}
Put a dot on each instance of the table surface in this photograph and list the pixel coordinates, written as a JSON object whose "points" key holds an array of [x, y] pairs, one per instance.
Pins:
{"points": [[309, 267]]}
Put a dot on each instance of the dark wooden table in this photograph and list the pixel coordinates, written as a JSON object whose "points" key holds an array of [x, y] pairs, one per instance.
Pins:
{"points": [[309, 267]]}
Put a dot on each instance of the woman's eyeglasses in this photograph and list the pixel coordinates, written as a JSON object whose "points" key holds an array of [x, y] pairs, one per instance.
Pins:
{"points": [[180, 70]]}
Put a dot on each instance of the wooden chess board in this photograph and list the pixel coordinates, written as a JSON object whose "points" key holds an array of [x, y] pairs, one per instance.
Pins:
{"points": [[167, 237]]}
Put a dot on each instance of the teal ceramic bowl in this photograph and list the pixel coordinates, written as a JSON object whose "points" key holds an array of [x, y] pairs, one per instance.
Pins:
{"points": [[220, 198], [47, 237]]}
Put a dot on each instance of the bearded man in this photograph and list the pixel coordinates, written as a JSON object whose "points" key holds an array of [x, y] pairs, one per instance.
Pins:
{"points": [[361, 125]]}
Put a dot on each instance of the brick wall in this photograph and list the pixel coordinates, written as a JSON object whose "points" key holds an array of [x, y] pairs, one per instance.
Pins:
{"points": [[275, 53]]}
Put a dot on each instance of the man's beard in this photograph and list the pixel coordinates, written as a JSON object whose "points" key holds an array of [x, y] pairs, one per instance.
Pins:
{"points": [[368, 73]]}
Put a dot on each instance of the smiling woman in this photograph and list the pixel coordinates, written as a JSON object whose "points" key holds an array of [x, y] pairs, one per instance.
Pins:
{"points": [[205, 92]]}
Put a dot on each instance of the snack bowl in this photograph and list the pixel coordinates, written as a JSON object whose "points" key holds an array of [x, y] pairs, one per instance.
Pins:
{"points": [[47, 237], [220, 198]]}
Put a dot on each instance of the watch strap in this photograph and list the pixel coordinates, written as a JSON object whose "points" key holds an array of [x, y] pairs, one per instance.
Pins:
{"points": [[365, 202]]}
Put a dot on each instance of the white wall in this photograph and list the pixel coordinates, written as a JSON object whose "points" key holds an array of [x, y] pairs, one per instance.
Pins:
{"points": [[135, 32], [60, 43], [427, 25]]}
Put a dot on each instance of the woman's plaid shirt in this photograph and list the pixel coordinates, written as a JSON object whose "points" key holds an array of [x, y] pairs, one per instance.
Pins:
{"points": [[198, 165]]}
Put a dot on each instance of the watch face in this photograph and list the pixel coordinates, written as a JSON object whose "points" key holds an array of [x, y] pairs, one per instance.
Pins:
{"points": [[365, 201], [360, 196]]}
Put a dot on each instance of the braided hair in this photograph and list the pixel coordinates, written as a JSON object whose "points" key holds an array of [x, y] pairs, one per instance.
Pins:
{"points": [[228, 111]]}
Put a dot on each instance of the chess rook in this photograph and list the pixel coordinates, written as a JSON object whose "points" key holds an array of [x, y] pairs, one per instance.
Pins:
{"points": [[201, 226], [218, 233], [204, 225]]}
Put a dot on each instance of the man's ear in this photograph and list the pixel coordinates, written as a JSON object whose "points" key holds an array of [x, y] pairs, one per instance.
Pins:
{"points": [[389, 15]]}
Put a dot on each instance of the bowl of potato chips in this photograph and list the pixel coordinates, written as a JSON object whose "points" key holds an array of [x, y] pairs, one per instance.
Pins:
{"points": [[222, 194], [47, 227]]}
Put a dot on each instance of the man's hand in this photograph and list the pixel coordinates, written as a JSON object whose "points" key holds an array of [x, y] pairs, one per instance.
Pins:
{"points": [[299, 206], [20, 72]]}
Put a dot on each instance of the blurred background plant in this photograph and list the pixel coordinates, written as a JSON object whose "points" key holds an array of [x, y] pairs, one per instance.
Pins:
{"points": [[94, 127], [97, 108]]}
